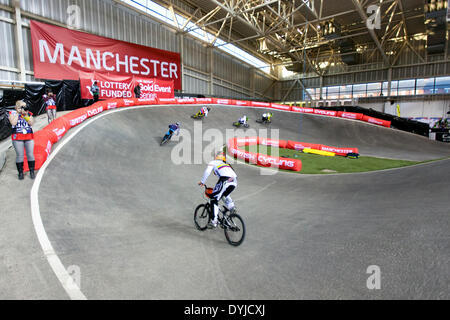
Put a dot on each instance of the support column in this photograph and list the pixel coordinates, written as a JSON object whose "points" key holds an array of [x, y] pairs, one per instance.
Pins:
{"points": [[389, 83], [252, 82], [183, 81], [211, 71], [321, 90], [389, 89], [19, 41]]}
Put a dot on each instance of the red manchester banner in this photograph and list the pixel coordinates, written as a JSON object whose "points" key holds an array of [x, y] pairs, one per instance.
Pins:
{"points": [[60, 53]]}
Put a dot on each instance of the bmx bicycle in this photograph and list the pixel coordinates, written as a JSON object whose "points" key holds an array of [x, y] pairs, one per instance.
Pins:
{"points": [[198, 116], [231, 223], [263, 121], [238, 125], [166, 138]]}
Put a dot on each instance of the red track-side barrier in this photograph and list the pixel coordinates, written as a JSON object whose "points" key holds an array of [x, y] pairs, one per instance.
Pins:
{"points": [[350, 115], [261, 159], [52, 133], [302, 110], [376, 121], [280, 107]]}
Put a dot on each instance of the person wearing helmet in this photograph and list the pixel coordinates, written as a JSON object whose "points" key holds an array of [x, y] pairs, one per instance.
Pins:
{"points": [[243, 120], [226, 184], [174, 127], [267, 117], [203, 112]]}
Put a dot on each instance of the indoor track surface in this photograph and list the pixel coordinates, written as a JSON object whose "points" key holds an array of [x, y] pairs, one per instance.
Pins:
{"points": [[114, 204]]}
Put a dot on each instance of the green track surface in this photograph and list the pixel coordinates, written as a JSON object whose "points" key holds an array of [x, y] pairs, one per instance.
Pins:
{"points": [[316, 164]]}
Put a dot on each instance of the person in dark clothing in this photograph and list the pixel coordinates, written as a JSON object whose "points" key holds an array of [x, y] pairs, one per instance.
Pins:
{"points": [[137, 91], [95, 90]]}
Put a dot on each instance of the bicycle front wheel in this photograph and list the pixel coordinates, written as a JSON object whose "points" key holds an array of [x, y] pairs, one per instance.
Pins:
{"points": [[164, 140], [201, 217], [234, 229]]}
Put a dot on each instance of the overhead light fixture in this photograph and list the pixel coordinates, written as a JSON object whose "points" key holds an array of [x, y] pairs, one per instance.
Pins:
{"points": [[323, 65]]}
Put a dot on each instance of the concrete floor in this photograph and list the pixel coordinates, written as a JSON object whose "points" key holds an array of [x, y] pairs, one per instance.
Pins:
{"points": [[114, 203]]}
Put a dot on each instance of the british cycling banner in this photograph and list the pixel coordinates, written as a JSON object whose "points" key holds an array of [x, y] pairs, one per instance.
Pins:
{"points": [[61, 53], [113, 87]]}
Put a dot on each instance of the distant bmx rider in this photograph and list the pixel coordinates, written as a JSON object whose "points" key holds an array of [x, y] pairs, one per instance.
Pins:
{"points": [[203, 112], [226, 184], [174, 127], [267, 117], [243, 120]]}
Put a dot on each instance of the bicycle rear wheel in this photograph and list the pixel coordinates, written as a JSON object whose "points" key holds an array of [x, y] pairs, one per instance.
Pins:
{"points": [[201, 217], [234, 229]]}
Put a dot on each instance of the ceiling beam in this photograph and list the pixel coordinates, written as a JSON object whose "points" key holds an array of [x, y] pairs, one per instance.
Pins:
{"points": [[372, 33]]}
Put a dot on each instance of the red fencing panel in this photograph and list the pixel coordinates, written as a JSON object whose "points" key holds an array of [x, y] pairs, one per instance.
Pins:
{"points": [[168, 101], [76, 117], [247, 156], [95, 109], [260, 104], [350, 115], [185, 101], [377, 121], [247, 141], [146, 101], [302, 110], [242, 103], [259, 158], [128, 102], [43, 142], [294, 145], [59, 126], [329, 113], [280, 107], [228, 102], [273, 142], [203, 100], [277, 162]]}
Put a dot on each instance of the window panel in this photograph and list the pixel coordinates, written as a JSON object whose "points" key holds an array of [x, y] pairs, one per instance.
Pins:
{"points": [[359, 90], [425, 86], [374, 89], [333, 93], [442, 85], [346, 92], [406, 87]]}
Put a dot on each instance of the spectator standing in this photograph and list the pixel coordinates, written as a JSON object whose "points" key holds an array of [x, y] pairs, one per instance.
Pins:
{"points": [[22, 137], [137, 91], [50, 102], [95, 90]]}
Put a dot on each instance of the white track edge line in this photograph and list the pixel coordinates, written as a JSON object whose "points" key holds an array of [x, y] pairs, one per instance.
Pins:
{"points": [[67, 282]]}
